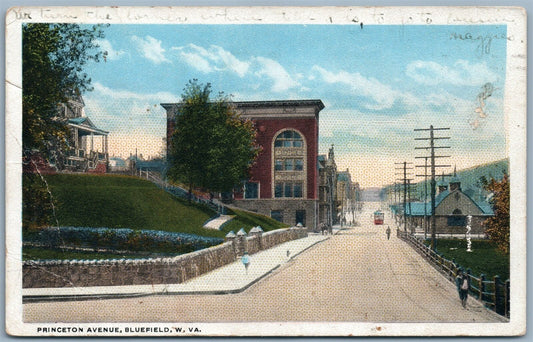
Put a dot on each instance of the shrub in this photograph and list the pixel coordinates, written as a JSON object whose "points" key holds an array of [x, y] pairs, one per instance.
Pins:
{"points": [[122, 239]]}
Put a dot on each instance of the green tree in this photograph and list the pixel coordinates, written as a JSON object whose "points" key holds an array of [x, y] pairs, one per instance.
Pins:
{"points": [[212, 147], [498, 226], [53, 57]]}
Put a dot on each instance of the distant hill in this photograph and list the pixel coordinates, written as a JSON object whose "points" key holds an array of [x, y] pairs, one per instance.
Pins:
{"points": [[127, 202], [471, 178]]}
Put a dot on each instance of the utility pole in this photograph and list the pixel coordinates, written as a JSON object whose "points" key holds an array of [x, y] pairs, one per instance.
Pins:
{"points": [[433, 166], [426, 225], [405, 180]]}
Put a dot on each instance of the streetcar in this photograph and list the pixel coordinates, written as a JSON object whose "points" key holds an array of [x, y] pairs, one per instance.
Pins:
{"points": [[378, 217]]}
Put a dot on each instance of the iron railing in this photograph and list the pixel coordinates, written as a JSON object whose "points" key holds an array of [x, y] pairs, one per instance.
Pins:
{"points": [[493, 293]]}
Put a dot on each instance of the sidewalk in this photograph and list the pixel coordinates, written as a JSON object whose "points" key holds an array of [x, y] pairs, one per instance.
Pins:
{"points": [[231, 278]]}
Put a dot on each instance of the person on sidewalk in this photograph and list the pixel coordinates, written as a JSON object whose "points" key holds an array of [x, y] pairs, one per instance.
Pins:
{"points": [[462, 281], [246, 261], [388, 233]]}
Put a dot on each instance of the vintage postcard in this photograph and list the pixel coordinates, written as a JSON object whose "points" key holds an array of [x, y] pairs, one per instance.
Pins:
{"points": [[266, 171]]}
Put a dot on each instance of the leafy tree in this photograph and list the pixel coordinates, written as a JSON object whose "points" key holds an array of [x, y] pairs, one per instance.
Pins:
{"points": [[498, 226], [53, 56], [212, 147]]}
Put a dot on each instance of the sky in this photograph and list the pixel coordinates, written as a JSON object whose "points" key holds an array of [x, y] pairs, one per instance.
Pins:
{"points": [[378, 84]]}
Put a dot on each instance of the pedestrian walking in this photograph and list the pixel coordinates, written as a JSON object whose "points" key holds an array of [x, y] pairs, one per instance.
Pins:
{"points": [[462, 281], [246, 261], [388, 232]]}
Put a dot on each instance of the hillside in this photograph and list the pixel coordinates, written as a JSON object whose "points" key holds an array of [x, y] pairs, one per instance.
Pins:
{"points": [[128, 202], [470, 178]]}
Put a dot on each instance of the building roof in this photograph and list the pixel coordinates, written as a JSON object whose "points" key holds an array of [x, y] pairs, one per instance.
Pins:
{"points": [[85, 126], [173, 108], [118, 162], [155, 164], [279, 103], [343, 176], [417, 208]]}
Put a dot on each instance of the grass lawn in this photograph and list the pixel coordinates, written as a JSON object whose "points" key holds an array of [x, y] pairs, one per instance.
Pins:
{"points": [[247, 220], [116, 201], [128, 202], [485, 257]]}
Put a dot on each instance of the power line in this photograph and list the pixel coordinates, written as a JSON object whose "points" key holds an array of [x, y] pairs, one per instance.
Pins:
{"points": [[432, 138], [405, 181]]}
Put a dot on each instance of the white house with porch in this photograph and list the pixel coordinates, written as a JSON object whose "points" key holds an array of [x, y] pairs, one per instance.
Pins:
{"points": [[86, 154]]}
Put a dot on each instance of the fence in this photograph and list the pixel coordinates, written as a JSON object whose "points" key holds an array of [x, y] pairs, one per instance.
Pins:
{"points": [[493, 293]]}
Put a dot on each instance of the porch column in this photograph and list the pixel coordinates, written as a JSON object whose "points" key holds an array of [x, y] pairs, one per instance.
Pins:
{"points": [[92, 141], [105, 147], [76, 140]]}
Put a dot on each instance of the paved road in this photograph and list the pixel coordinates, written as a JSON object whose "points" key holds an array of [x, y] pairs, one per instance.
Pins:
{"points": [[356, 276]]}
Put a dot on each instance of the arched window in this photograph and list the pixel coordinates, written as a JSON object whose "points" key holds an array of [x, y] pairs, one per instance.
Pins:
{"points": [[289, 160], [289, 139]]}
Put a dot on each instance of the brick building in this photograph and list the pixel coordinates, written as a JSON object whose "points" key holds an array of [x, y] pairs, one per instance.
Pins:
{"points": [[283, 181]]}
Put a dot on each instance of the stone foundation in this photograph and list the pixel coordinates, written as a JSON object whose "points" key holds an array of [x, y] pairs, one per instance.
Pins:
{"points": [[288, 208]]}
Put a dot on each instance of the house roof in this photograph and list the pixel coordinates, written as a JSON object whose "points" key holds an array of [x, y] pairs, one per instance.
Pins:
{"points": [[417, 208], [85, 125]]}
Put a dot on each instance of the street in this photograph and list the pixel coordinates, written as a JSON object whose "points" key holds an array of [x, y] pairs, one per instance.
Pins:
{"points": [[355, 276]]}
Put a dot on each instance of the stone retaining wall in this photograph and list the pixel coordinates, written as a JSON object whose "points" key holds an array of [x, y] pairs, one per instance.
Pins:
{"points": [[74, 273]]}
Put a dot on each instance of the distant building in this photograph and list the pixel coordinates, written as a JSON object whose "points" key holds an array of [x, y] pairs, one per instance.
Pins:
{"points": [[452, 207], [117, 164], [328, 203], [345, 197], [283, 181]]}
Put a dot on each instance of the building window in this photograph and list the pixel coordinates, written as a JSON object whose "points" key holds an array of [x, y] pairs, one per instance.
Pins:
{"points": [[289, 164], [289, 158], [251, 190], [277, 215], [289, 139], [457, 219], [278, 190], [297, 190], [288, 190]]}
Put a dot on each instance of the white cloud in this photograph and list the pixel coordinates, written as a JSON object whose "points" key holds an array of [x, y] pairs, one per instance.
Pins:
{"points": [[275, 71], [112, 54], [383, 95], [461, 73], [231, 62], [197, 61], [151, 49], [161, 96], [214, 58]]}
